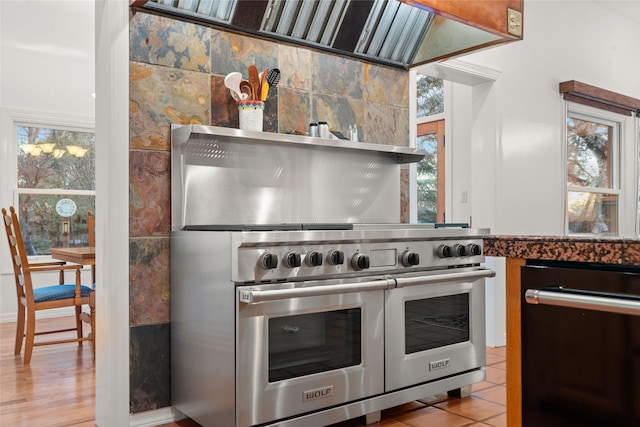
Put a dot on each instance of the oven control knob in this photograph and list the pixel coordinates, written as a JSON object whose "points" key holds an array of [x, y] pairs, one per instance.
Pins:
{"points": [[474, 249], [314, 259], [269, 261], [459, 250], [444, 251], [410, 258], [335, 257], [360, 262], [292, 260]]}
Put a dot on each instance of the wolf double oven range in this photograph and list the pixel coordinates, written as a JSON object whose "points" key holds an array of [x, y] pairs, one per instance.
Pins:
{"points": [[297, 299]]}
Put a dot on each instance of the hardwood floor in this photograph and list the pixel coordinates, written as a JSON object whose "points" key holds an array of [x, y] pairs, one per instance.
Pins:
{"points": [[58, 390]]}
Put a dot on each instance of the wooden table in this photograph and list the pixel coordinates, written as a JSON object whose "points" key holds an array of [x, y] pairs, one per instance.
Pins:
{"points": [[85, 255]]}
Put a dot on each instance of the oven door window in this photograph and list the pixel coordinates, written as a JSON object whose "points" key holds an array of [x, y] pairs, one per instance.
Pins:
{"points": [[436, 322], [307, 344]]}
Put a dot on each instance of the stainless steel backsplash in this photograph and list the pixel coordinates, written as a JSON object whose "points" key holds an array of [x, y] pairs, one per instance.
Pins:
{"points": [[227, 176]]}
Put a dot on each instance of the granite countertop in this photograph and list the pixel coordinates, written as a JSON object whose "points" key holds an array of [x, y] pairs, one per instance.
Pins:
{"points": [[560, 248]]}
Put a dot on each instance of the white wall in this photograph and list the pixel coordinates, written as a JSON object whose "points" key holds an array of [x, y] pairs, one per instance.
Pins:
{"points": [[47, 71], [507, 144], [48, 55], [563, 40]]}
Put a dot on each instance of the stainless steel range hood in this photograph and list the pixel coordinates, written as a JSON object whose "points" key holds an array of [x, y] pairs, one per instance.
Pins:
{"points": [[389, 32]]}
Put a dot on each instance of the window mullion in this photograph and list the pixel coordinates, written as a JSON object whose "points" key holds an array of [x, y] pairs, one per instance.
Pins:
{"points": [[55, 191], [598, 190]]}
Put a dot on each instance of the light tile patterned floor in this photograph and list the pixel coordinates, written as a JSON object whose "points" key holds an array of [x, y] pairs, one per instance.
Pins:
{"points": [[485, 407]]}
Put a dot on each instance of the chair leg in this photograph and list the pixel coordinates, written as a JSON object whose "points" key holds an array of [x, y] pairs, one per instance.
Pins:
{"points": [[31, 330], [79, 323], [92, 307], [19, 329]]}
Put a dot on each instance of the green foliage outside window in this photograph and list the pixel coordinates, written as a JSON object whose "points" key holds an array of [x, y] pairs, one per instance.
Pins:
{"points": [[430, 96], [430, 101], [426, 178]]}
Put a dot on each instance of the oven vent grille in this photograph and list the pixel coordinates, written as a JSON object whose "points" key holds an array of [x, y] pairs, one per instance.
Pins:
{"points": [[214, 10], [394, 30], [310, 20]]}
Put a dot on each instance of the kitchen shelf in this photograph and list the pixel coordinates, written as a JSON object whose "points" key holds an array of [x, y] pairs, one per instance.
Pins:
{"points": [[183, 133]]}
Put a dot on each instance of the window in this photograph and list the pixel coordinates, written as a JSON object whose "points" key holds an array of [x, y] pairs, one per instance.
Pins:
{"points": [[430, 172], [55, 185], [430, 96], [593, 144], [430, 137], [601, 143]]}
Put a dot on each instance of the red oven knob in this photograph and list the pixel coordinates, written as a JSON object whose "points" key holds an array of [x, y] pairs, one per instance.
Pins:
{"points": [[269, 261], [360, 262], [410, 258], [314, 259], [335, 257], [292, 260]]}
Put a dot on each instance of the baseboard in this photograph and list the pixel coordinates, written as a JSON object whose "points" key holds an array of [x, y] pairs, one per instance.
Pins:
{"points": [[156, 417], [44, 314]]}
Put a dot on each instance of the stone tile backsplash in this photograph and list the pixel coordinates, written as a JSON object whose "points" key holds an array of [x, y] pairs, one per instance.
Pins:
{"points": [[149, 367], [149, 278], [160, 96], [163, 41]]}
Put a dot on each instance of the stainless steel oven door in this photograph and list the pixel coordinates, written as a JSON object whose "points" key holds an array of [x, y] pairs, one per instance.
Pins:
{"points": [[435, 326], [305, 346]]}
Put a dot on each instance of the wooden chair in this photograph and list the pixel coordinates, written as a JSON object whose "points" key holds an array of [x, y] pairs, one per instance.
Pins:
{"points": [[91, 227], [31, 300]]}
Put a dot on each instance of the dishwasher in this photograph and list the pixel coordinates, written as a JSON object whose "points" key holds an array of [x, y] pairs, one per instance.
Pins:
{"points": [[580, 345]]}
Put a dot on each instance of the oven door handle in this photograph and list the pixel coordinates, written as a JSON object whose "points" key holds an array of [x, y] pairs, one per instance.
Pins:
{"points": [[598, 301], [256, 296], [447, 277]]}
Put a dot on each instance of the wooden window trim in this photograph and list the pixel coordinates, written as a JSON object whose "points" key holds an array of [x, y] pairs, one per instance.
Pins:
{"points": [[437, 128], [593, 96]]}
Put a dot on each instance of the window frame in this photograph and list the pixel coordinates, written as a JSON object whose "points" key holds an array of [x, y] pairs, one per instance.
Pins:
{"points": [[11, 119], [437, 128], [637, 177], [413, 136], [624, 167]]}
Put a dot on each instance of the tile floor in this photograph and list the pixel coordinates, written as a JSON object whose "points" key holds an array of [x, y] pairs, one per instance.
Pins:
{"points": [[485, 407]]}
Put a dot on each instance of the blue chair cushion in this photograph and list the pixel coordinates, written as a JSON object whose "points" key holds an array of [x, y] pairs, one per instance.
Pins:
{"points": [[51, 293]]}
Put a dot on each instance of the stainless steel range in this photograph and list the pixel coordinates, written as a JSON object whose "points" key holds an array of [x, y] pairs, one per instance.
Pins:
{"points": [[290, 310]]}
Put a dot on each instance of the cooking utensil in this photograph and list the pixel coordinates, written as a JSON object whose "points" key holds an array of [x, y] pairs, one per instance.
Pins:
{"points": [[245, 89], [232, 81], [235, 95], [264, 91], [254, 81], [273, 77], [263, 80]]}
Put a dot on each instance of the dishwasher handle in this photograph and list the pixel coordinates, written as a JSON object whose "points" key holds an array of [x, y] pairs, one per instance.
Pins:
{"points": [[255, 296], [445, 277], [588, 300]]}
